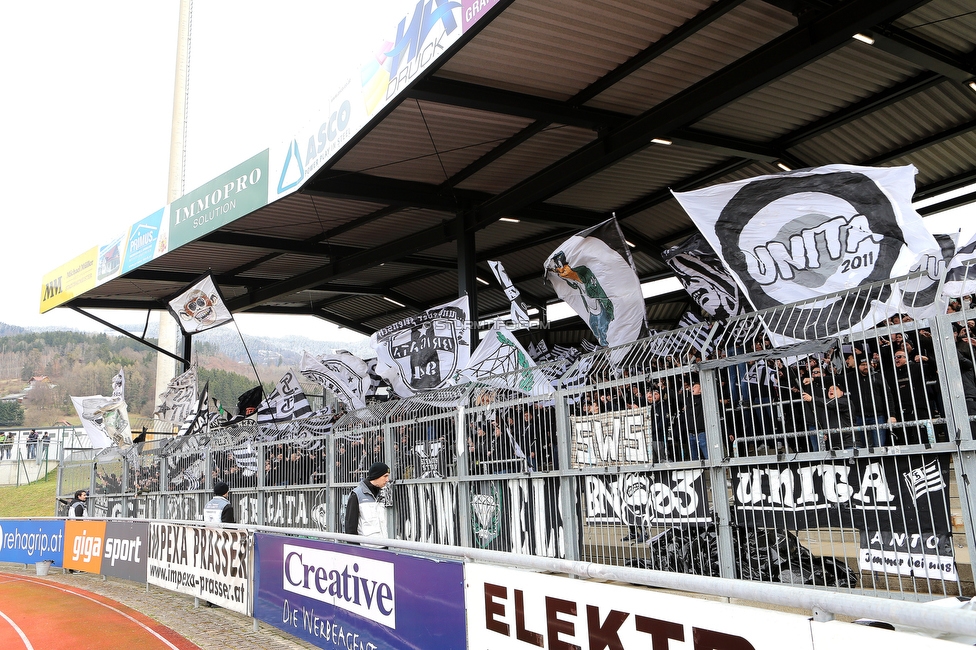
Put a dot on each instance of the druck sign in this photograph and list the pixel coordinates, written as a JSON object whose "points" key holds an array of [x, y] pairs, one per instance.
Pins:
{"points": [[336, 596]]}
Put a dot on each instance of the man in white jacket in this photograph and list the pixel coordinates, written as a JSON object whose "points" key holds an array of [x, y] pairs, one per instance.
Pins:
{"points": [[365, 512]]}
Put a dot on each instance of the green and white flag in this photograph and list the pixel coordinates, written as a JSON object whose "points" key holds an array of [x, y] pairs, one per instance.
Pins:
{"points": [[501, 361], [593, 273]]}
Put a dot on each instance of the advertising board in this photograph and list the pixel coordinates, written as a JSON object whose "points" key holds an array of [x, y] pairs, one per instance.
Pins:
{"points": [[26, 541], [339, 596]]}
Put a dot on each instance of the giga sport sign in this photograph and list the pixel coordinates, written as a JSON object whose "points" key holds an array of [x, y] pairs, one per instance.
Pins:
{"points": [[113, 548]]}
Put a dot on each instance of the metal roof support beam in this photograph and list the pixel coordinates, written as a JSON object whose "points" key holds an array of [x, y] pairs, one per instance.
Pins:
{"points": [[945, 185], [918, 145], [468, 278], [860, 109], [507, 102], [796, 48], [917, 50], [185, 361]]}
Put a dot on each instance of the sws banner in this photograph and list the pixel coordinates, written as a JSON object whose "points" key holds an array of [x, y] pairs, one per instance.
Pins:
{"points": [[210, 563], [25, 541], [112, 548], [898, 494], [337, 596]]}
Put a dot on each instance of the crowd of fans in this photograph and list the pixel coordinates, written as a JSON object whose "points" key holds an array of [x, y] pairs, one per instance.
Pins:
{"points": [[874, 391]]}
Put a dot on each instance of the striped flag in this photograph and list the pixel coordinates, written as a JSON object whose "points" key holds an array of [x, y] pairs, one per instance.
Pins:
{"points": [[247, 459], [925, 479], [286, 402]]}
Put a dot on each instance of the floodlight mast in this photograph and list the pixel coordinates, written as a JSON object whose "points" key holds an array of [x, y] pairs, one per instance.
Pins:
{"points": [[165, 366]]}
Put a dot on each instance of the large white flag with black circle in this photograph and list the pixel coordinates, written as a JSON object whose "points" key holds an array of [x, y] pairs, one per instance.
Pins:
{"points": [[801, 236], [424, 352], [593, 273]]}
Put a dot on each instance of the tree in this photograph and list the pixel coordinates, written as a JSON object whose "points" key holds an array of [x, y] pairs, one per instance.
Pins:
{"points": [[11, 414]]}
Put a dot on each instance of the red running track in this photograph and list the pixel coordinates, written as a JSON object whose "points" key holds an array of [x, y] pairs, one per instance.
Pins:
{"points": [[40, 615]]}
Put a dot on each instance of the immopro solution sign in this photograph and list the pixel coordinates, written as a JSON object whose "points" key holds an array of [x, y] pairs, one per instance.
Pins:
{"points": [[230, 196], [338, 596], [26, 541]]}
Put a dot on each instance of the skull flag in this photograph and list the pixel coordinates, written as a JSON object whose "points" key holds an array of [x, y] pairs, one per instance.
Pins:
{"points": [[704, 277], [200, 307]]}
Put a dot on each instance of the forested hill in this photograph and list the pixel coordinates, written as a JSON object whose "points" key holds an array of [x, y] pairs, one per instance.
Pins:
{"points": [[83, 363]]}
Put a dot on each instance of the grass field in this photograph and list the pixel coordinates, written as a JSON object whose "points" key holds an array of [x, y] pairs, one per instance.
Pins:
{"points": [[34, 500]]}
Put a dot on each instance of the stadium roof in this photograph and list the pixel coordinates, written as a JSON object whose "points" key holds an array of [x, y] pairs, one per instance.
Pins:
{"points": [[545, 118]]}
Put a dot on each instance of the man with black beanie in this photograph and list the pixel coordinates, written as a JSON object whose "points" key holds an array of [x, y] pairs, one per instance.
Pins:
{"points": [[219, 508], [365, 513]]}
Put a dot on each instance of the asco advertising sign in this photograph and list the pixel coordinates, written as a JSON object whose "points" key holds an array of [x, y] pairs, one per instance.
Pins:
{"points": [[337, 596]]}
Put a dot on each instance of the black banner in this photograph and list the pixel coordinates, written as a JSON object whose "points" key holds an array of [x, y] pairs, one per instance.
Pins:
{"points": [[648, 498], [895, 493]]}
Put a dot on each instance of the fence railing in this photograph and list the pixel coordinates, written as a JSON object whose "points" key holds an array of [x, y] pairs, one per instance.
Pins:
{"points": [[814, 444]]}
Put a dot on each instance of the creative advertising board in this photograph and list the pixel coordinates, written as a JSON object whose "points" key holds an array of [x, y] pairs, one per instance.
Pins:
{"points": [[338, 596]]}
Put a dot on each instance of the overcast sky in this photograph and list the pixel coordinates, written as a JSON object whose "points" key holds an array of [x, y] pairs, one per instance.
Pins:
{"points": [[87, 118]]}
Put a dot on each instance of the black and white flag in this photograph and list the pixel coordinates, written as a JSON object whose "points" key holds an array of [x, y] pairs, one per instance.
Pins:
{"points": [[286, 402], [118, 385], [803, 235], [197, 421], [919, 297], [424, 352], [925, 479], [501, 361], [520, 310], [343, 373], [594, 274], [179, 399], [105, 420], [200, 306], [705, 278], [961, 273]]}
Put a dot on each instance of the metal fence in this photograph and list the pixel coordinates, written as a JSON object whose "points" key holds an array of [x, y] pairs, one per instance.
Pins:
{"points": [[818, 444]]}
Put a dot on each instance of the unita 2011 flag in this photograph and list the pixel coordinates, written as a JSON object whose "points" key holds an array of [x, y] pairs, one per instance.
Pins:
{"points": [[424, 352], [594, 274], [200, 306], [803, 235]]}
